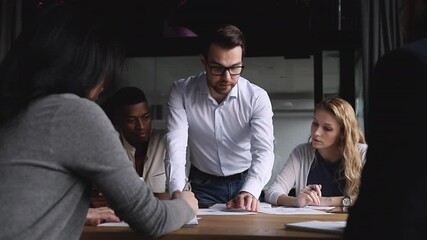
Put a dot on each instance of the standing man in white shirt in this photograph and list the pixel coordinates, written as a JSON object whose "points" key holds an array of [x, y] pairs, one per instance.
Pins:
{"points": [[227, 122]]}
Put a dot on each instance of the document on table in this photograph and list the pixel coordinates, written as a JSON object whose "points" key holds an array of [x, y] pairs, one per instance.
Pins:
{"points": [[221, 209], [318, 226], [320, 208], [292, 210], [193, 222], [113, 224]]}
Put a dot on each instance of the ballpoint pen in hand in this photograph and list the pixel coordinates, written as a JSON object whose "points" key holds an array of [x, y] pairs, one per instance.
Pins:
{"points": [[187, 186]]}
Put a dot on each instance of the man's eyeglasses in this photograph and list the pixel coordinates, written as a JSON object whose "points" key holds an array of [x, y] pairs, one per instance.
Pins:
{"points": [[220, 70]]}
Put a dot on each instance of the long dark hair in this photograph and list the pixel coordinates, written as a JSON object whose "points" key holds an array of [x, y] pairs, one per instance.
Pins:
{"points": [[68, 49]]}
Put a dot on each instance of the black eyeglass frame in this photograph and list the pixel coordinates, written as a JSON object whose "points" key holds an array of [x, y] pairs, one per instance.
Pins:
{"points": [[223, 69]]}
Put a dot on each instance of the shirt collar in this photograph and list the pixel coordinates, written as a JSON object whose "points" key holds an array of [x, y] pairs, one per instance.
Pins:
{"points": [[126, 144], [204, 88]]}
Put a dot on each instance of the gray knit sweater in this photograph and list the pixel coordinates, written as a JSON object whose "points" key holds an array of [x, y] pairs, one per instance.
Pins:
{"points": [[49, 157]]}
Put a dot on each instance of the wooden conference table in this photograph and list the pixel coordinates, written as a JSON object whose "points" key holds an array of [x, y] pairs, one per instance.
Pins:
{"points": [[257, 226]]}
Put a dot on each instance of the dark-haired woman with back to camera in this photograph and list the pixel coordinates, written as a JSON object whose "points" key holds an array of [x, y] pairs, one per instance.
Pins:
{"points": [[55, 141]]}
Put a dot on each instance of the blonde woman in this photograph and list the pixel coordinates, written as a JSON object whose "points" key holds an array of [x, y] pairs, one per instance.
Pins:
{"points": [[326, 170]]}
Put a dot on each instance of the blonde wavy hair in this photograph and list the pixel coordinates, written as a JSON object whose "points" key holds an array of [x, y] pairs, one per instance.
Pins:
{"points": [[351, 136]]}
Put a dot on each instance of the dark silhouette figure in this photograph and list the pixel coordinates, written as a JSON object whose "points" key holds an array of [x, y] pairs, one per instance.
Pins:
{"points": [[392, 198]]}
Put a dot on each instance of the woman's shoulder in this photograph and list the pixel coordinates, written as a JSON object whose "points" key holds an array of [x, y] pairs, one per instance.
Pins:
{"points": [[303, 150], [304, 147], [78, 102], [191, 84], [362, 147], [64, 102], [251, 88], [191, 80], [73, 107]]}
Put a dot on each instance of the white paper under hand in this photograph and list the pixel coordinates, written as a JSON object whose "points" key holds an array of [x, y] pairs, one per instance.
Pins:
{"points": [[193, 222]]}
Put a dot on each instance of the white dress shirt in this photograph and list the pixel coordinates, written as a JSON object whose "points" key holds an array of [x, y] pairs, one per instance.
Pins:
{"points": [[223, 139]]}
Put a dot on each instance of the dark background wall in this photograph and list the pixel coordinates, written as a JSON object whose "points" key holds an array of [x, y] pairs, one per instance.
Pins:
{"points": [[292, 28]]}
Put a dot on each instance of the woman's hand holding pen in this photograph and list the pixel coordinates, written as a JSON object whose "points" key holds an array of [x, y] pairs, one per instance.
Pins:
{"points": [[191, 200], [188, 196], [187, 186], [309, 195]]}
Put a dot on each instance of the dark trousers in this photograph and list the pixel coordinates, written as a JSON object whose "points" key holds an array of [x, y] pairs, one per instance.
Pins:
{"points": [[210, 189]]}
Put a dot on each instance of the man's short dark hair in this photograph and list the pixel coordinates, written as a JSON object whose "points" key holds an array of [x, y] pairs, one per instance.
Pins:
{"points": [[128, 96], [125, 96]]}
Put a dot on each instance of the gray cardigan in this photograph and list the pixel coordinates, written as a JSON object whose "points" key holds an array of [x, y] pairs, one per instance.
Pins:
{"points": [[49, 157]]}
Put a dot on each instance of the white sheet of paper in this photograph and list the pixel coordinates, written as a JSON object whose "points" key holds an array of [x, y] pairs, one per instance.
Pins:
{"points": [[208, 211], [322, 226], [320, 208], [221, 209], [292, 210], [191, 223], [113, 224]]}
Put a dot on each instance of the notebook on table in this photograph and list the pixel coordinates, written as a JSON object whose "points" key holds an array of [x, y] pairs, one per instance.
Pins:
{"points": [[318, 226]]}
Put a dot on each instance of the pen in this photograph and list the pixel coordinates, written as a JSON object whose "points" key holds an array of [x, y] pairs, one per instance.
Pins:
{"points": [[187, 186]]}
